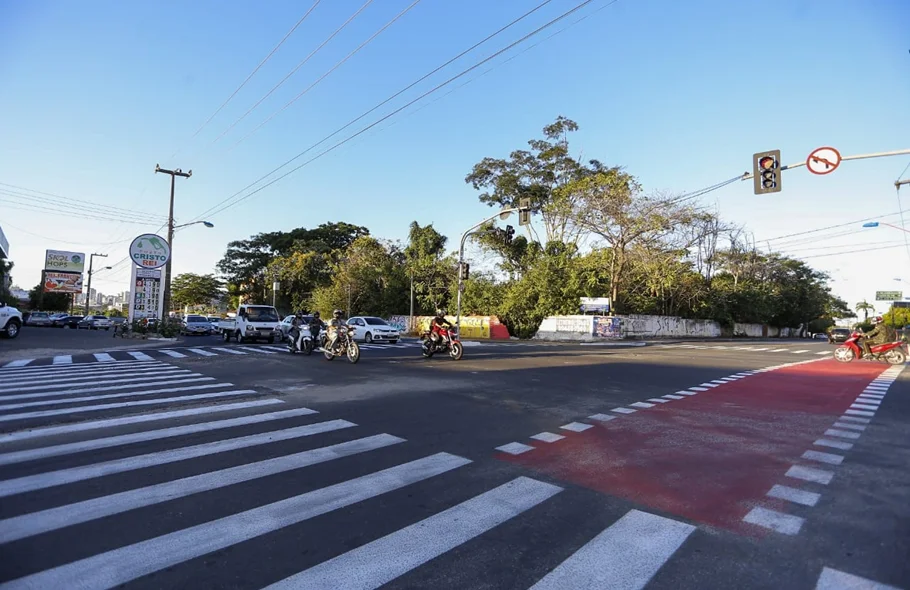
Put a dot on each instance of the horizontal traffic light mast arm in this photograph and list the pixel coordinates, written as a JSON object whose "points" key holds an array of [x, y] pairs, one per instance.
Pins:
{"points": [[748, 175]]}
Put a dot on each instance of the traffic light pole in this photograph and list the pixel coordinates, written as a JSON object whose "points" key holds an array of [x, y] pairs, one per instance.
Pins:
{"points": [[464, 237], [749, 176]]}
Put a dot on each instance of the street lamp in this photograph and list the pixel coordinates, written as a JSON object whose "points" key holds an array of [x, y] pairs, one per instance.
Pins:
{"points": [[167, 282], [205, 223], [878, 223]]}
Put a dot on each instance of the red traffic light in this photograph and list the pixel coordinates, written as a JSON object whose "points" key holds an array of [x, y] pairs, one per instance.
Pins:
{"points": [[766, 163]]}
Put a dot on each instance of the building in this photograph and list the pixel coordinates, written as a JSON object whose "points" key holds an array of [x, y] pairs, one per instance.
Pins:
{"points": [[4, 254]]}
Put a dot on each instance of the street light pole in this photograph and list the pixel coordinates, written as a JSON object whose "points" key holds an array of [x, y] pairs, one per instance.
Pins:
{"points": [[88, 290], [503, 214], [170, 235]]}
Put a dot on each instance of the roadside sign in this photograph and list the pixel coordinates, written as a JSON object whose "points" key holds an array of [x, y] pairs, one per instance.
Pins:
{"points": [[824, 160], [150, 251], [595, 304], [62, 261], [146, 294], [62, 282], [888, 295]]}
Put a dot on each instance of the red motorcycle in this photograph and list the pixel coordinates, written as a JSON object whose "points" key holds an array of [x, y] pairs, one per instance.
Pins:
{"points": [[890, 352], [446, 341]]}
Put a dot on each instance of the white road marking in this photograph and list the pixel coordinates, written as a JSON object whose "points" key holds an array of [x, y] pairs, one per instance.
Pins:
{"points": [[89, 398], [111, 422], [774, 520], [859, 427], [40, 481], [126, 439], [709, 385], [794, 495], [871, 396], [759, 349], [831, 579], [779, 350], [576, 426], [625, 555], [201, 352], [698, 389], [229, 350], [50, 381], [823, 353], [855, 419], [66, 359], [54, 370], [548, 437], [392, 556], [841, 433], [19, 363], [279, 349], [623, 410], [682, 392], [104, 357], [163, 400], [27, 525], [859, 413], [601, 417], [260, 350], [515, 448], [864, 406], [829, 458], [122, 565], [657, 400], [834, 444], [140, 356], [642, 405], [800, 351], [812, 474], [671, 396], [121, 381], [173, 354]]}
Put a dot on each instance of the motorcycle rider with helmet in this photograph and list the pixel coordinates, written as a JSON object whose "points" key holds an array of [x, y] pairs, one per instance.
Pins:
{"points": [[335, 325], [316, 326], [880, 334], [440, 322]]}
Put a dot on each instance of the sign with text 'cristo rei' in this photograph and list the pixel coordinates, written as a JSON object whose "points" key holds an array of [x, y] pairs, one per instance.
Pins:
{"points": [[150, 251]]}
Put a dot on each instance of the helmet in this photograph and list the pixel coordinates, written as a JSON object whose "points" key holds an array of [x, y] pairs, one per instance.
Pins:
{"points": [[440, 313], [316, 314], [337, 313], [877, 319]]}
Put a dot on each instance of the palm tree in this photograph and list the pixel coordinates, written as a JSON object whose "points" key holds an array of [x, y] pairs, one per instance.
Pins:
{"points": [[864, 307]]}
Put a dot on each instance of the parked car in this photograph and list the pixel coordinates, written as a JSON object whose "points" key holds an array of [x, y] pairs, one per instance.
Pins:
{"points": [[196, 324], [10, 320], [95, 322], [288, 322], [39, 318], [838, 335], [373, 329], [69, 322]]}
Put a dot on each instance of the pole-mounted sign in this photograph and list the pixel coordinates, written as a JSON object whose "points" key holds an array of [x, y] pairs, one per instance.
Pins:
{"points": [[150, 251], [824, 160]]}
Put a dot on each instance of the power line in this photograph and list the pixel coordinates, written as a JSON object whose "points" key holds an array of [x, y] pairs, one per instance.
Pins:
{"points": [[253, 73], [861, 250], [810, 231], [294, 71], [834, 246], [69, 201], [52, 211], [396, 111], [40, 203], [397, 94], [901, 175], [58, 240], [325, 75]]}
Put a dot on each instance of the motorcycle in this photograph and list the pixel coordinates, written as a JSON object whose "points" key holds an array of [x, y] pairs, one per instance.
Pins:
{"points": [[447, 341], [889, 352], [300, 340], [344, 345]]}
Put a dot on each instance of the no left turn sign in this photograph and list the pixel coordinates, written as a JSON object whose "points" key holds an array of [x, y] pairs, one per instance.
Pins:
{"points": [[824, 160]]}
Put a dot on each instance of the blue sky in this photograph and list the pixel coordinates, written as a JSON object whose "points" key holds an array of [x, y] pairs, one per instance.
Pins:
{"points": [[680, 93]]}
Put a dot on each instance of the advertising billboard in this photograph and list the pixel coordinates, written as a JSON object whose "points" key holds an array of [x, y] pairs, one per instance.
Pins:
{"points": [[150, 251], [62, 282], [62, 261], [146, 294]]}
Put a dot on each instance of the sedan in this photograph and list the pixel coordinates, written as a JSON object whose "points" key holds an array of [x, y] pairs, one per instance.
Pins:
{"points": [[39, 318], [197, 324], [95, 322], [70, 322], [373, 329]]}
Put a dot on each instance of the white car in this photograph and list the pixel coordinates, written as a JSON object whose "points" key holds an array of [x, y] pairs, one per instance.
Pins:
{"points": [[373, 329], [10, 320]]}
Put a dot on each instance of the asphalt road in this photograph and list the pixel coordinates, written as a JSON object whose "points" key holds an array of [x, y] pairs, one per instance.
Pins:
{"points": [[689, 465]]}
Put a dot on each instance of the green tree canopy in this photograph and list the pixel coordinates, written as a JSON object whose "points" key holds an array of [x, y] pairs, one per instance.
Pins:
{"points": [[192, 289]]}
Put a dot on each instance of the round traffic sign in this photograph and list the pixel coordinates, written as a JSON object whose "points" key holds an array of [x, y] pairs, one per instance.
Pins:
{"points": [[824, 160], [150, 251]]}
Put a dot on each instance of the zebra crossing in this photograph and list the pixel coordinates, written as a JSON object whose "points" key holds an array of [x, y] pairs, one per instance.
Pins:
{"points": [[107, 479], [764, 348]]}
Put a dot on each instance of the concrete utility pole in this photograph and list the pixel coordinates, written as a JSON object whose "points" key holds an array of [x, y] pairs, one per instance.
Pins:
{"points": [[88, 289], [170, 237]]}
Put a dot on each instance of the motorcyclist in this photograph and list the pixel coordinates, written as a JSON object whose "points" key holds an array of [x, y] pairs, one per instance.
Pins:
{"points": [[316, 326], [877, 335], [295, 334], [336, 324], [440, 323]]}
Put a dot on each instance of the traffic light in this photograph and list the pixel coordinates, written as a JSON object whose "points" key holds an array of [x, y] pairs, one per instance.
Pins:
{"points": [[510, 232], [524, 212], [766, 172], [465, 271]]}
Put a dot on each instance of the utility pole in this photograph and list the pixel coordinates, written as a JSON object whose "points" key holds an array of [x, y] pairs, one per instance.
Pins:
{"points": [[170, 236], [88, 290], [411, 317]]}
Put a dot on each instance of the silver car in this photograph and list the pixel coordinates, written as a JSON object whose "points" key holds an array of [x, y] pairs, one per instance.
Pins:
{"points": [[197, 324], [39, 318]]}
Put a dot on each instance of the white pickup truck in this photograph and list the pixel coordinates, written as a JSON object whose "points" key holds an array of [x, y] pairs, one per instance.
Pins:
{"points": [[253, 322], [10, 320]]}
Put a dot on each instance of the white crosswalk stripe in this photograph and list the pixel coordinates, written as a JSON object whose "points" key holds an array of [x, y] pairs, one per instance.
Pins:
{"points": [[249, 442], [791, 350]]}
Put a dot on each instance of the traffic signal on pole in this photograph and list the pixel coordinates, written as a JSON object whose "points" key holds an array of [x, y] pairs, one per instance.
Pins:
{"points": [[510, 232], [766, 172], [524, 212], [465, 270]]}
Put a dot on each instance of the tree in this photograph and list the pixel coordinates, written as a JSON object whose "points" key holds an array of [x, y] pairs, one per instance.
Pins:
{"points": [[433, 273], [865, 307], [300, 274], [538, 174], [39, 300], [192, 289]]}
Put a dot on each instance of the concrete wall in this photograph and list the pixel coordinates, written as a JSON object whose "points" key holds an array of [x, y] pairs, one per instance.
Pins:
{"points": [[566, 327], [582, 328], [750, 330], [655, 326]]}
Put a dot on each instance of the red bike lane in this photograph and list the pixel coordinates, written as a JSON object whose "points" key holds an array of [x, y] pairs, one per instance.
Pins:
{"points": [[712, 457]]}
